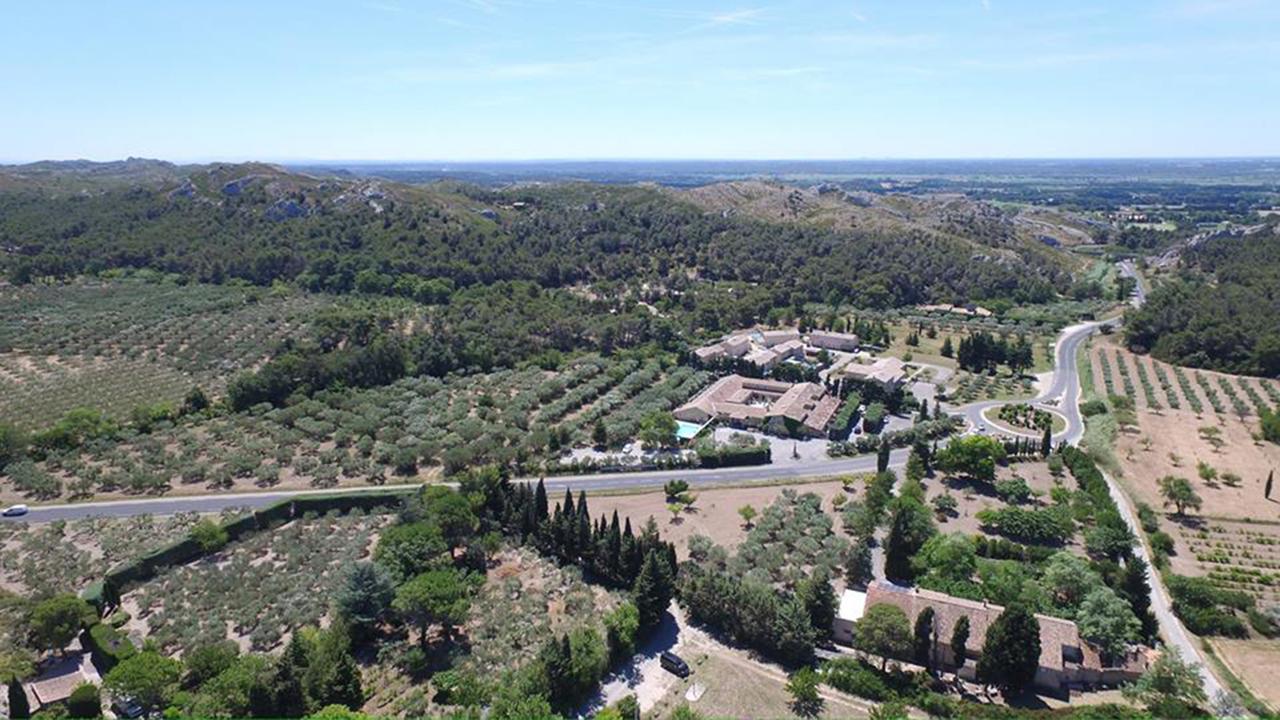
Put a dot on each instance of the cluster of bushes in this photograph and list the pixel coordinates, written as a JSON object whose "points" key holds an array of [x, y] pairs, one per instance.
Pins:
{"points": [[713, 455], [1002, 549], [846, 417], [921, 431], [1025, 416], [1052, 525], [1206, 608]]}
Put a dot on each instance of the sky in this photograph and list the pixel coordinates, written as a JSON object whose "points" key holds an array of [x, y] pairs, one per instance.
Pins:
{"points": [[567, 79]]}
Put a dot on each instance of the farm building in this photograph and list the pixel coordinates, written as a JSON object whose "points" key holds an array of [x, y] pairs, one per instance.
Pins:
{"points": [[844, 342], [890, 372], [1066, 660], [782, 408]]}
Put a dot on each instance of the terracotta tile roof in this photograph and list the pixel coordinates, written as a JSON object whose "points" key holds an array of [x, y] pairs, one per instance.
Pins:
{"points": [[1055, 633]]}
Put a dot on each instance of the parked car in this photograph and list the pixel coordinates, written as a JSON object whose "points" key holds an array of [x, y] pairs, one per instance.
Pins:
{"points": [[126, 708], [16, 510], [674, 665]]}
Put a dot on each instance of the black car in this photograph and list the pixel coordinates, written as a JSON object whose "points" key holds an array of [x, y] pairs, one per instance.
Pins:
{"points": [[126, 708], [674, 665]]}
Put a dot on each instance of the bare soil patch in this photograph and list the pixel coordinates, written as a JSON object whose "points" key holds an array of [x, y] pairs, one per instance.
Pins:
{"points": [[1171, 443], [1254, 662], [715, 514]]}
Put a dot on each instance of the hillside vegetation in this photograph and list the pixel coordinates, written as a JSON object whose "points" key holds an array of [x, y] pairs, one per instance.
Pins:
{"points": [[1221, 311], [260, 224]]}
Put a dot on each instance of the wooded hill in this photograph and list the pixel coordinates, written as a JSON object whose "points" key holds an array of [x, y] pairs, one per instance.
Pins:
{"points": [[1222, 311], [260, 223]]}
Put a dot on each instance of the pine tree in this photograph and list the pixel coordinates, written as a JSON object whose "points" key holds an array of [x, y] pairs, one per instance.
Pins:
{"points": [[1011, 652], [819, 599], [1137, 591], [291, 699], [915, 466]]}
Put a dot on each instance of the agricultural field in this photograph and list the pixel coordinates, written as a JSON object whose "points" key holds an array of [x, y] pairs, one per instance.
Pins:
{"points": [[254, 591], [1155, 387], [1198, 429], [412, 430], [966, 387], [65, 556], [114, 345]]}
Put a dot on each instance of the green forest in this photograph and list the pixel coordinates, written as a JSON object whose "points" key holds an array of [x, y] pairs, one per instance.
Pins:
{"points": [[230, 223], [1222, 311]]}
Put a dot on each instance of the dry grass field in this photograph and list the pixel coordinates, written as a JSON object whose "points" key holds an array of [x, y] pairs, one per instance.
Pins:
{"points": [[1203, 426], [715, 514]]}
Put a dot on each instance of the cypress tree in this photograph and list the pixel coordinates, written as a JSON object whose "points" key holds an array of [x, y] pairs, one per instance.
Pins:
{"points": [[653, 590], [1046, 442], [882, 456], [960, 640], [613, 554], [1271, 476], [922, 646], [568, 503], [540, 503], [18, 705]]}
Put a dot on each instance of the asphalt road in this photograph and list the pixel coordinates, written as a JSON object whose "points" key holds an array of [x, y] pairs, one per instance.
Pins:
{"points": [[600, 481], [1062, 395]]}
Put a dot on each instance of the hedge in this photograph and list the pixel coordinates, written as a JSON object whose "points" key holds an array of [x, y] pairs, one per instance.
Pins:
{"points": [[729, 456], [108, 645], [100, 594]]}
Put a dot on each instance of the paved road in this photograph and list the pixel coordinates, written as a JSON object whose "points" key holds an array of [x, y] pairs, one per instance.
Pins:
{"points": [[600, 481], [1129, 270], [1063, 392]]}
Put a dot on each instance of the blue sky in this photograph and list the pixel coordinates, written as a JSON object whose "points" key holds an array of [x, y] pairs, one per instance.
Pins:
{"points": [[529, 79]]}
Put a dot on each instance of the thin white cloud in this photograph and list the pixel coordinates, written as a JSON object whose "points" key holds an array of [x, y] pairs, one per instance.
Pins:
{"points": [[743, 16], [986, 5]]}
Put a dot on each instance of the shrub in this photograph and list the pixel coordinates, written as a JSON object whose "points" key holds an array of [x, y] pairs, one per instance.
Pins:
{"points": [[1049, 525], [1093, 407], [85, 701], [109, 646], [209, 535], [1014, 490], [1161, 542]]}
